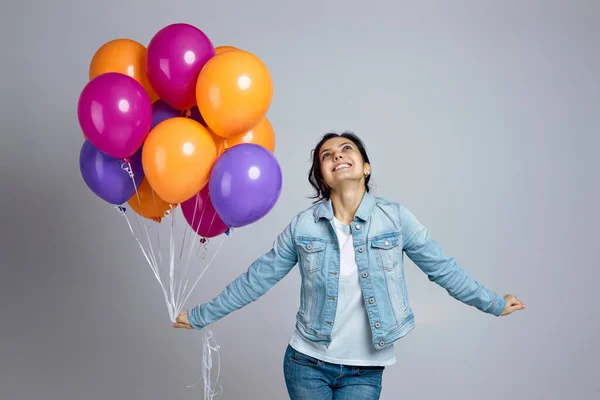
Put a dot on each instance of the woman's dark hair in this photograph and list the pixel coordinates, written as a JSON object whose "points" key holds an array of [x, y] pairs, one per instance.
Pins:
{"points": [[322, 191]]}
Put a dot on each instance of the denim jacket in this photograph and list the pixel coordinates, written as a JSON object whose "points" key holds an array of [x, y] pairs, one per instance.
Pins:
{"points": [[382, 231]]}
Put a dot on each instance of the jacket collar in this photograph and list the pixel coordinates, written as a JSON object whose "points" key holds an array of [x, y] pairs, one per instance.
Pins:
{"points": [[325, 208]]}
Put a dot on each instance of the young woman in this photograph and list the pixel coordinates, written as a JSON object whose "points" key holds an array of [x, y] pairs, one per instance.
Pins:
{"points": [[354, 303]]}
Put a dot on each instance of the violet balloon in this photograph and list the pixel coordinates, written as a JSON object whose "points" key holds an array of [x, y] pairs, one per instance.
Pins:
{"points": [[175, 57], [161, 111], [200, 214], [115, 114], [245, 184], [105, 175]]}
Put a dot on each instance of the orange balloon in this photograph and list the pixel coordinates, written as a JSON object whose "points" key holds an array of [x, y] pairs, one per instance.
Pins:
{"points": [[261, 134], [125, 56], [148, 204], [223, 49], [177, 158], [234, 92]]}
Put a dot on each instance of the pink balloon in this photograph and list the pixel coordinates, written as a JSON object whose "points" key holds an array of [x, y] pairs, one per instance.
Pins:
{"points": [[201, 215], [115, 114], [175, 57]]}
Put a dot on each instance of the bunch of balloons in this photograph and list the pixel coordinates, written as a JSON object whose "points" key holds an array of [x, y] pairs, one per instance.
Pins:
{"points": [[180, 122]]}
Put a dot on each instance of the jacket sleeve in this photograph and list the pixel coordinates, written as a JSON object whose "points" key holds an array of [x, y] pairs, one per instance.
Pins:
{"points": [[443, 269], [260, 276]]}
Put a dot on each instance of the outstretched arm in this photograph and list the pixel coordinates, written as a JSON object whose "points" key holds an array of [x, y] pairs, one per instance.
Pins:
{"points": [[262, 275], [444, 271]]}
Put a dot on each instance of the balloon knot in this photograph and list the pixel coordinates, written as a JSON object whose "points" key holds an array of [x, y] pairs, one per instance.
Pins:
{"points": [[121, 209], [203, 240], [126, 159], [157, 219], [228, 231]]}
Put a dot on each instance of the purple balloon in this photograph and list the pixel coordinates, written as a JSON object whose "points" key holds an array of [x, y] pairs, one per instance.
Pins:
{"points": [[115, 114], [105, 175], [244, 185], [161, 111], [175, 57]]}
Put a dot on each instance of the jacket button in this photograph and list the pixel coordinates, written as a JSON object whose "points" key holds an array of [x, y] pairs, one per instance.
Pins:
{"points": [[361, 249], [386, 243], [364, 274], [372, 300], [381, 343], [377, 325], [357, 226], [309, 246]]}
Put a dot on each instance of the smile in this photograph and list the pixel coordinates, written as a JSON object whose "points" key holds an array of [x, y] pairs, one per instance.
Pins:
{"points": [[342, 166]]}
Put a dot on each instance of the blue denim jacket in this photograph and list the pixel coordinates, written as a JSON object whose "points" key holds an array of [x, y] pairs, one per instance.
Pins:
{"points": [[382, 232]]}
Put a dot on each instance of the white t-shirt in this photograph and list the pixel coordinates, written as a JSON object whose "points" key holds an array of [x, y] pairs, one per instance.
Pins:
{"points": [[351, 340]]}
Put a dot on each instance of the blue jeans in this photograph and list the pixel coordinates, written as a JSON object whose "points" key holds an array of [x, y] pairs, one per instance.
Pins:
{"points": [[308, 378]]}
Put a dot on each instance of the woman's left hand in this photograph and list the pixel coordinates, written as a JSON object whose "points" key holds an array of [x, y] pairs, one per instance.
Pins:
{"points": [[512, 304], [182, 321]]}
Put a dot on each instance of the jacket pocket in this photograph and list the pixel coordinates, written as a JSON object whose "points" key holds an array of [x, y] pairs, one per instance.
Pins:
{"points": [[311, 253], [386, 248]]}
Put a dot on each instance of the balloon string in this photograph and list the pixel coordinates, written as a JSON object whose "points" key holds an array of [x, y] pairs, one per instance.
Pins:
{"points": [[209, 346], [204, 270], [183, 286], [186, 295], [126, 166], [191, 250], [177, 293], [145, 253]]}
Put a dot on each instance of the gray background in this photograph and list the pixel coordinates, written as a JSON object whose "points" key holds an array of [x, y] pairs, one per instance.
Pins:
{"points": [[480, 116]]}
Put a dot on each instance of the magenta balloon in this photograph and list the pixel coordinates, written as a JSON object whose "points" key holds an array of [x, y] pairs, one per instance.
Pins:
{"points": [[115, 114], [175, 57], [201, 215]]}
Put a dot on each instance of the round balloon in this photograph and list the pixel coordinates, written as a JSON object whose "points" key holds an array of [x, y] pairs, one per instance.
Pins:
{"points": [[146, 203], [176, 54], [245, 183], [115, 114], [234, 92], [200, 214], [177, 158], [223, 49], [107, 177], [261, 134], [125, 56], [162, 111]]}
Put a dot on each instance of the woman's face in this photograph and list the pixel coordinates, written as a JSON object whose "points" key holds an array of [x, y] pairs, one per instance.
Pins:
{"points": [[341, 161]]}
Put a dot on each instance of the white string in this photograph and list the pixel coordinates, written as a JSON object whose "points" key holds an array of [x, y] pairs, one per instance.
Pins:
{"points": [[152, 265], [175, 283], [209, 346]]}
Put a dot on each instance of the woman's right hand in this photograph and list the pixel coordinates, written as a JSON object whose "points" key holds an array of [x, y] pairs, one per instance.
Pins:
{"points": [[182, 321]]}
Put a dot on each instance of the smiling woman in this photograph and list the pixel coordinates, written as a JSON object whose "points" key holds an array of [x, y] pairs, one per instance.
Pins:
{"points": [[354, 303], [334, 152]]}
